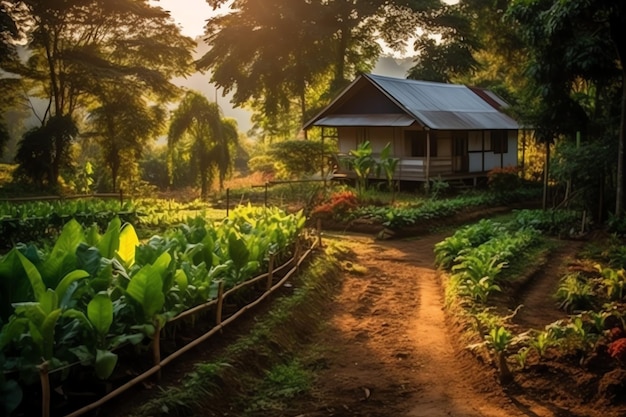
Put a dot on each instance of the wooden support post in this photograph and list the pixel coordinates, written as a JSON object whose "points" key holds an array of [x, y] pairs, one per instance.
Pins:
{"points": [[270, 273], [156, 348], [45, 388], [220, 303]]}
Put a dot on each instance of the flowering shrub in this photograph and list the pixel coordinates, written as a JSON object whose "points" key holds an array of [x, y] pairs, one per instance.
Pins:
{"points": [[503, 179], [337, 206], [617, 350]]}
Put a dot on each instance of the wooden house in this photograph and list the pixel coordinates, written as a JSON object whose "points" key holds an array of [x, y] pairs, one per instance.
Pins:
{"points": [[435, 129]]}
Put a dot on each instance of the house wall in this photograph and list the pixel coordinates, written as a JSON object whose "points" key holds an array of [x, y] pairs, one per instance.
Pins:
{"points": [[480, 155], [493, 160]]}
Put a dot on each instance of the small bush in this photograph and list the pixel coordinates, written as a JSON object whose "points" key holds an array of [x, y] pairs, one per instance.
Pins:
{"points": [[337, 206], [503, 179]]}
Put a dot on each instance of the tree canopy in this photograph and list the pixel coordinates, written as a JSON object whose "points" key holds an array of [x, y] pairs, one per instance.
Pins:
{"points": [[270, 54], [78, 49]]}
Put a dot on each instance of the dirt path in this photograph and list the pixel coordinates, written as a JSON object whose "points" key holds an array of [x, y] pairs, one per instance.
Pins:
{"points": [[539, 308], [393, 354]]}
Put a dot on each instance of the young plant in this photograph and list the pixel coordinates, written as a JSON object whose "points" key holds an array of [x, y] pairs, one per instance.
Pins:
{"points": [[498, 340], [614, 280], [542, 342], [575, 293], [521, 357]]}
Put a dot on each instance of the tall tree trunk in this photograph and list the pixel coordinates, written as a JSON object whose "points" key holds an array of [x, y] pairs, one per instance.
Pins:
{"points": [[619, 197], [546, 175], [204, 187]]}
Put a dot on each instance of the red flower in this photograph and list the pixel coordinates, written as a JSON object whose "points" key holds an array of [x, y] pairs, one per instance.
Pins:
{"points": [[617, 350]]}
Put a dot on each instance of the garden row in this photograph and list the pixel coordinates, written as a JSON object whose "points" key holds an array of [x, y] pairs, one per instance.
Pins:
{"points": [[32, 221], [345, 206], [78, 304], [482, 259]]}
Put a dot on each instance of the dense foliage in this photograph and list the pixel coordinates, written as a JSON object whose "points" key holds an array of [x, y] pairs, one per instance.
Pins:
{"points": [[80, 300]]}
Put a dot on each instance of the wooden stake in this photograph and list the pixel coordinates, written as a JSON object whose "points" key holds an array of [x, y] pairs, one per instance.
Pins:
{"points": [[156, 348], [270, 273], [220, 303], [45, 389]]}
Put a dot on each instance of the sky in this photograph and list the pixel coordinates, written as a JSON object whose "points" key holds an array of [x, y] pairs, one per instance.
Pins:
{"points": [[190, 15]]}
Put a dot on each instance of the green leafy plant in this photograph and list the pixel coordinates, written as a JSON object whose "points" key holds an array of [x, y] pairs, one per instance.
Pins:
{"points": [[388, 165], [575, 293], [498, 340], [361, 161], [614, 280], [542, 341]]}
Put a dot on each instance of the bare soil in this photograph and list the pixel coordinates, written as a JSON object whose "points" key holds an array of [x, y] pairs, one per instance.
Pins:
{"points": [[396, 353]]}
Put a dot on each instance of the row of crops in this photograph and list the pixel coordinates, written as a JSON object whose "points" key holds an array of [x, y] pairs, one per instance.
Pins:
{"points": [[481, 261], [37, 220], [78, 302]]}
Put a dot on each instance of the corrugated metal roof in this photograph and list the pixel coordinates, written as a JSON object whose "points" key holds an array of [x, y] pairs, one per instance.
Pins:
{"points": [[400, 120], [434, 105], [443, 106]]}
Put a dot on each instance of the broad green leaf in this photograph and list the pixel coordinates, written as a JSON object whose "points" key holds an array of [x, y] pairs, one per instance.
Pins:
{"points": [[47, 332], [238, 251], [105, 363], [133, 339], [109, 242], [100, 313], [128, 245], [162, 263], [37, 337], [62, 259], [12, 330], [33, 275], [146, 287], [68, 280], [80, 316], [181, 280], [15, 286], [32, 311], [82, 353], [92, 237], [104, 278], [88, 258], [49, 301]]}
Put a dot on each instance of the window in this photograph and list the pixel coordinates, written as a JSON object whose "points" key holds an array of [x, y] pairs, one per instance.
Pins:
{"points": [[415, 141], [499, 141]]}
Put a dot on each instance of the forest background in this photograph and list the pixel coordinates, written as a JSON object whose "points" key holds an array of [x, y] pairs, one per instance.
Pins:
{"points": [[99, 79]]}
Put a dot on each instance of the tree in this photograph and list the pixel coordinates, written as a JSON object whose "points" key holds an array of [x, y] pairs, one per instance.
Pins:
{"points": [[210, 136], [8, 55], [80, 47], [271, 53], [570, 43], [452, 54], [123, 125], [300, 157], [36, 154]]}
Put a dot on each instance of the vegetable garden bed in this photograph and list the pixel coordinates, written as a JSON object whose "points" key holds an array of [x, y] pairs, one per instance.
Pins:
{"points": [[92, 299]]}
